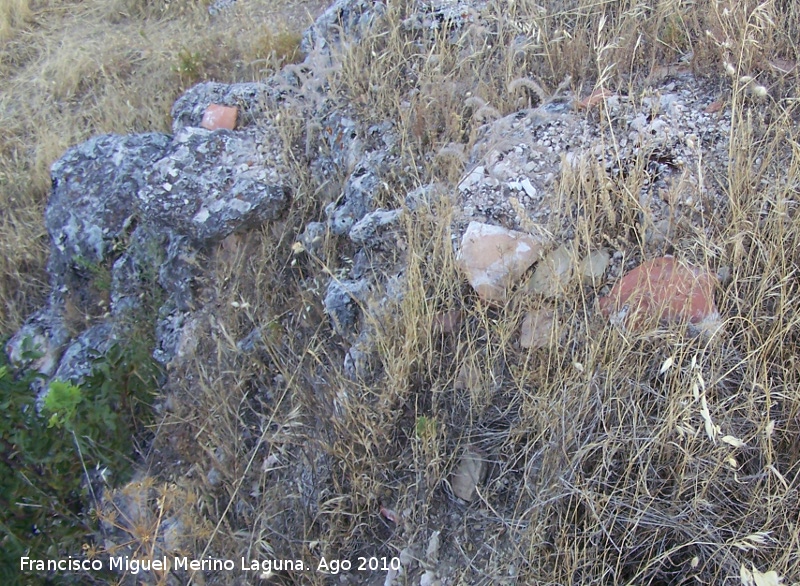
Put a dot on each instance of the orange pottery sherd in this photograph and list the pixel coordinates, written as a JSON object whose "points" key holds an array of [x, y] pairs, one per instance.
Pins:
{"points": [[216, 117], [661, 289]]}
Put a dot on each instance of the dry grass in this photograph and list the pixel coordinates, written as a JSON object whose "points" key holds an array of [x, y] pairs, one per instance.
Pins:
{"points": [[602, 466], [70, 70]]}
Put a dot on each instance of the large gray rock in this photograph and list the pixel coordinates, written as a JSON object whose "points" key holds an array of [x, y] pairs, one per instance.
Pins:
{"points": [[91, 209], [94, 196], [358, 196], [212, 183]]}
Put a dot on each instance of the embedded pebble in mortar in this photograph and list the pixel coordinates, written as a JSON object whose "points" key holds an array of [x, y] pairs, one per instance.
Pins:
{"points": [[216, 117]]}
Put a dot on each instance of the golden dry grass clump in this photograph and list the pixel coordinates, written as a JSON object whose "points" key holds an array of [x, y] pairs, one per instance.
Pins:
{"points": [[614, 458]]}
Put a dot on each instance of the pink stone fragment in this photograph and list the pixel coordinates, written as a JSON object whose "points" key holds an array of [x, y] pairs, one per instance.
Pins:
{"points": [[447, 322], [493, 258], [217, 116], [662, 289], [537, 328]]}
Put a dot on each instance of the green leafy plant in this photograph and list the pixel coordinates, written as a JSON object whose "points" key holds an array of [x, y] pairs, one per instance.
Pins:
{"points": [[426, 428], [62, 400], [51, 454]]}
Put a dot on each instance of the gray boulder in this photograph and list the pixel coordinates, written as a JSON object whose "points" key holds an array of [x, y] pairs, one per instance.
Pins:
{"points": [[212, 183], [94, 196]]}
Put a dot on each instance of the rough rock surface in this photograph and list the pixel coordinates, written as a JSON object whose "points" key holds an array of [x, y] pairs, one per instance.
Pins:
{"points": [[342, 303], [494, 258], [358, 195], [375, 228], [351, 17], [211, 183], [248, 98], [520, 161], [45, 334], [94, 193], [76, 363]]}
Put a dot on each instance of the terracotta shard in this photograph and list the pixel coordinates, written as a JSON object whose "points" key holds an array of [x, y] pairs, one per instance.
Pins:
{"points": [[447, 322], [216, 117], [661, 289]]}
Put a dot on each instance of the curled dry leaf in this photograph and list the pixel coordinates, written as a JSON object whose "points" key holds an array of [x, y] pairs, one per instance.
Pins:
{"points": [[755, 578], [733, 441]]}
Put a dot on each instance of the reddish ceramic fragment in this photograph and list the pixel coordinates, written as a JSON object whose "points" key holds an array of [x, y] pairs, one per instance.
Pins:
{"points": [[447, 322], [217, 116], [662, 289], [598, 96]]}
